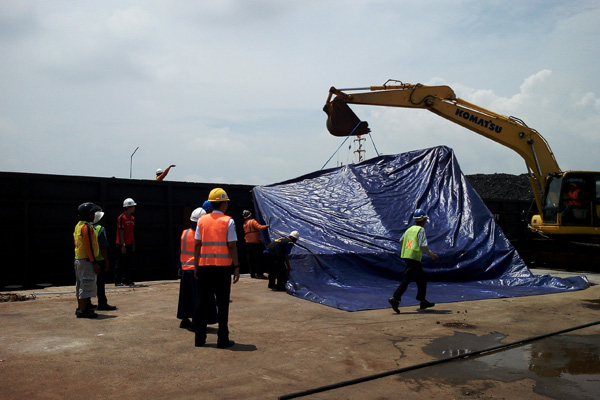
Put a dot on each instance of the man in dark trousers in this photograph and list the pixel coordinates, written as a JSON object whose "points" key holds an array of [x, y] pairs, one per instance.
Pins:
{"points": [[125, 244], [414, 244], [188, 287], [186, 306], [215, 253], [277, 256], [103, 261]]}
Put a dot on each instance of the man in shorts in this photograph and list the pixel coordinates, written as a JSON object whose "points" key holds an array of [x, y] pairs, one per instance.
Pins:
{"points": [[86, 259]]}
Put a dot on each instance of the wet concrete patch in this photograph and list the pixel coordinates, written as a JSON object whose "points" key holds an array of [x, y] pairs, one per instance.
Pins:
{"points": [[563, 366], [593, 304], [459, 325]]}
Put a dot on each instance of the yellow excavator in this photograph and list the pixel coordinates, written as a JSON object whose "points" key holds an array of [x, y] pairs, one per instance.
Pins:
{"points": [[568, 202]]}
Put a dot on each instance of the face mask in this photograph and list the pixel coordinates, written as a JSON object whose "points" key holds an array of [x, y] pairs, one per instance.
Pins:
{"points": [[97, 216]]}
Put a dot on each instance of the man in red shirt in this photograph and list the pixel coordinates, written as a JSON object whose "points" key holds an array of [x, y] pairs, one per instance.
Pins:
{"points": [[125, 244]]}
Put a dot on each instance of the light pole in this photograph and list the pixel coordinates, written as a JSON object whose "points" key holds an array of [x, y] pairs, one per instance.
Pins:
{"points": [[131, 161]]}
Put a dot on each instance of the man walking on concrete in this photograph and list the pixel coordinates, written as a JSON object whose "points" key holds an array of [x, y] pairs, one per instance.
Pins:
{"points": [[414, 244]]}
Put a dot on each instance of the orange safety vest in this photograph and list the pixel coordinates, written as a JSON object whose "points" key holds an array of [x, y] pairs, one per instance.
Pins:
{"points": [[574, 197], [186, 253], [251, 234], [86, 242], [213, 231]]}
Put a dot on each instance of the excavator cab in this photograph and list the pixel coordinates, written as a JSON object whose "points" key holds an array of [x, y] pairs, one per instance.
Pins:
{"points": [[342, 121], [573, 199]]}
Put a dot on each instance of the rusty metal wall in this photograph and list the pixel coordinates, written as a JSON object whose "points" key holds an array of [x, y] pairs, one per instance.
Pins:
{"points": [[38, 214]]}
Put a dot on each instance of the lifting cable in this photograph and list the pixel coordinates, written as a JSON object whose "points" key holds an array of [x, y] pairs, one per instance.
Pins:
{"points": [[375, 147], [431, 363], [338, 149]]}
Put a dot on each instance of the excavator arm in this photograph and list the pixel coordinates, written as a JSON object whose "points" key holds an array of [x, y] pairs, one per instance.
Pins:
{"points": [[441, 100]]}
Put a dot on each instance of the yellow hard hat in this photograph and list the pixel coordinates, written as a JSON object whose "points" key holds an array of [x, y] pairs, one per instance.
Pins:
{"points": [[218, 194]]}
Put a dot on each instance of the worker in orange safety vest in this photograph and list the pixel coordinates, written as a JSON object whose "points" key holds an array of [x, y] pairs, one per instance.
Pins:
{"points": [[188, 286], [215, 260], [254, 246]]}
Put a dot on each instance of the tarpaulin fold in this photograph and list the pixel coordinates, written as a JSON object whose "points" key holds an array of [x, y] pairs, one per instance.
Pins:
{"points": [[351, 218]]}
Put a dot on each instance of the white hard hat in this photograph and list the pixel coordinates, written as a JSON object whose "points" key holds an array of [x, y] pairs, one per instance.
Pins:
{"points": [[295, 235], [97, 217], [159, 171], [128, 202], [197, 213]]}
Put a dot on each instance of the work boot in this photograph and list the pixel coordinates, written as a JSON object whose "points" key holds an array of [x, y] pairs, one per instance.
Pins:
{"points": [[200, 336], [185, 323], [90, 306], [425, 304], [224, 344], [394, 303], [106, 307], [87, 314]]}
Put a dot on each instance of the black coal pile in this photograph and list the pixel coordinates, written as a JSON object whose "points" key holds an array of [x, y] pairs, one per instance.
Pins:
{"points": [[501, 186]]}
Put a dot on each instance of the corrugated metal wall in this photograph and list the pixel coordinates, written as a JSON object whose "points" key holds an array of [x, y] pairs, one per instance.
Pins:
{"points": [[38, 214]]}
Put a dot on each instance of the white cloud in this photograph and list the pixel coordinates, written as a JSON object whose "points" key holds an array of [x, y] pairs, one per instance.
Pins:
{"points": [[129, 23], [241, 84], [568, 121]]}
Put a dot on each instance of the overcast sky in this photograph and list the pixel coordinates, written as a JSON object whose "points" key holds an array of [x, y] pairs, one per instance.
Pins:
{"points": [[232, 91]]}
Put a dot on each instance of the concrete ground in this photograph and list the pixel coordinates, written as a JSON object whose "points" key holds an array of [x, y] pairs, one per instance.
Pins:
{"points": [[285, 345]]}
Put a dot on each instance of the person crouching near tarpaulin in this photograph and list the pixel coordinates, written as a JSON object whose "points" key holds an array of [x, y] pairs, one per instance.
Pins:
{"points": [[414, 244], [277, 257], [86, 259]]}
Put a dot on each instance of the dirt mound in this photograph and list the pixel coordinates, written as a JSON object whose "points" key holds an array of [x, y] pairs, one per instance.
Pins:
{"points": [[501, 186]]}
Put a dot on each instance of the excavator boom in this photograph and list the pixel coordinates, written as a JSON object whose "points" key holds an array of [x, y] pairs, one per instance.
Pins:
{"points": [[441, 100]]}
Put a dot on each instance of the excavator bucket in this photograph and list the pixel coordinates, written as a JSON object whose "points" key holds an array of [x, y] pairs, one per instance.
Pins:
{"points": [[342, 121]]}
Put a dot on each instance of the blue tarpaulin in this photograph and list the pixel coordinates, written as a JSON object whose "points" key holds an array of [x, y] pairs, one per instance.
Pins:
{"points": [[351, 218]]}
